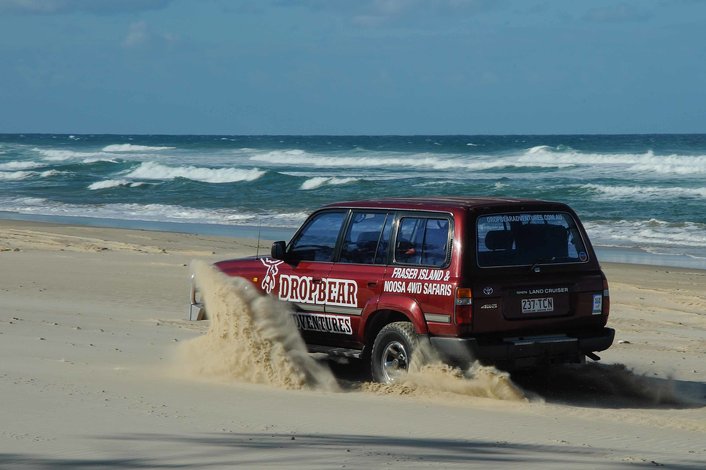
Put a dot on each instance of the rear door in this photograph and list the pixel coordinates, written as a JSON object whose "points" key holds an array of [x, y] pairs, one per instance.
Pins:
{"points": [[356, 278], [536, 273], [420, 266]]}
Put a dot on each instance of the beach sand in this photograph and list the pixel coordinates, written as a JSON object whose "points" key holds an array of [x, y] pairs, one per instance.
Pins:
{"points": [[93, 375]]}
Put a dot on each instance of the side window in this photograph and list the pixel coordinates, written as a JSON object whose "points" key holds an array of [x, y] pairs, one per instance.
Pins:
{"points": [[422, 241], [363, 238], [317, 241]]}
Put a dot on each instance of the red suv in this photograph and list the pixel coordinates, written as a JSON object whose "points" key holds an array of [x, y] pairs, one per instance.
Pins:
{"points": [[511, 282]]}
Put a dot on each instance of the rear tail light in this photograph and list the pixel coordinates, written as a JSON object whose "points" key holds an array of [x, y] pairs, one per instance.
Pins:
{"points": [[606, 297], [463, 308]]}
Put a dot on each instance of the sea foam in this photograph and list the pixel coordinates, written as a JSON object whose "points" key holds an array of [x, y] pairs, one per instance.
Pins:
{"points": [[56, 155], [398, 161], [320, 181], [134, 148], [23, 175], [15, 175], [644, 192], [107, 184], [19, 165], [646, 162], [156, 212], [647, 233]]}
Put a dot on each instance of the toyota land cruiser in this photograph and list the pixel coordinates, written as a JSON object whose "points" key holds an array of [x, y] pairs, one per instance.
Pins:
{"points": [[511, 282]]}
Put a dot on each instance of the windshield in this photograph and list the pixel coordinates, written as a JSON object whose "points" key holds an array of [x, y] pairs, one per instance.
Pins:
{"points": [[526, 239]]}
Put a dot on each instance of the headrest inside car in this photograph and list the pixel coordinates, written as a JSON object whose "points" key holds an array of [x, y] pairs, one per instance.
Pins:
{"points": [[498, 240]]}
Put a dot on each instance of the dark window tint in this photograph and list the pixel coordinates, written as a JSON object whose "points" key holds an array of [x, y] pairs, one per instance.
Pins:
{"points": [[363, 238], [317, 240], [384, 245], [422, 241], [527, 239]]}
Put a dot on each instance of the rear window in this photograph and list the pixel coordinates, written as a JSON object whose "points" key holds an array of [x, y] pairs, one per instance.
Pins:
{"points": [[526, 239]]}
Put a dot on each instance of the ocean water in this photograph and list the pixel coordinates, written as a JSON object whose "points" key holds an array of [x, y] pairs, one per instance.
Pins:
{"points": [[636, 194]]}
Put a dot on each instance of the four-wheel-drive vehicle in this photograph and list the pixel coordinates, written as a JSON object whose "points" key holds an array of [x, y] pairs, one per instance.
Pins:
{"points": [[511, 282]]}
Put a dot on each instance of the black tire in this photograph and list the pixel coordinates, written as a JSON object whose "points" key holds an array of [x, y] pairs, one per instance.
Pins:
{"points": [[392, 351]]}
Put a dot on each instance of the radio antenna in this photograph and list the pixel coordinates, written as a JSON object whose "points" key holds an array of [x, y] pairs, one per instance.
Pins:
{"points": [[259, 227]]}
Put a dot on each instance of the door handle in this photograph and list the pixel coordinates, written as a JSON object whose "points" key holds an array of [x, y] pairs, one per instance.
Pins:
{"points": [[372, 284], [316, 280]]}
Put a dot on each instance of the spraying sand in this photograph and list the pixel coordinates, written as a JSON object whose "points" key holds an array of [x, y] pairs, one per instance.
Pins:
{"points": [[429, 378], [251, 338]]}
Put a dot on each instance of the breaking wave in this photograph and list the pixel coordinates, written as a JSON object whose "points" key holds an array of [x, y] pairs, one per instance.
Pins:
{"points": [[23, 175], [156, 212], [107, 184], [320, 181], [644, 192], [425, 161], [18, 165], [647, 233], [646, 162], [56, 155], [15, 175], [539, 157], [134, 148], [156, 171], [106, 154]]}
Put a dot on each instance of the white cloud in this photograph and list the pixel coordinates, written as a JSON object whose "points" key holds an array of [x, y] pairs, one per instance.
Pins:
{"points": [[48, 7], [616, 13], [379, 12], [136, 35], [140, 34]]}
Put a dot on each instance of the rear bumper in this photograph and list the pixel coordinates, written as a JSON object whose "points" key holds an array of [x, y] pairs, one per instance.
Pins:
{"points": [[523, 351]]}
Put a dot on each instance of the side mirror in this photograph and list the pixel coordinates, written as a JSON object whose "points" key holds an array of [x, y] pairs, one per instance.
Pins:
{"points": [[278, 250]]}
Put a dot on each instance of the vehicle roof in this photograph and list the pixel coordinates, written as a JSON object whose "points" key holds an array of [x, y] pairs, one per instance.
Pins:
{"points": [[440, 203]]}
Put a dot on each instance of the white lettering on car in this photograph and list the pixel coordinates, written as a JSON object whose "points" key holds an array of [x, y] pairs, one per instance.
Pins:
{"points": [[437, 289], [270, 279], [525, 218], [548, 290], [323, 323], [398, 287], [405, 273], [421, 274], [328, 291], [426, 288]]}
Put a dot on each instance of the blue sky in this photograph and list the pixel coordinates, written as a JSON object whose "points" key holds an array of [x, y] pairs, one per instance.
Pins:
{"points": [[353, 66]]}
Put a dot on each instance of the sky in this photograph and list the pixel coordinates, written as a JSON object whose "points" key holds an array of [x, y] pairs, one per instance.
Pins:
{"points": [[353, 67]]}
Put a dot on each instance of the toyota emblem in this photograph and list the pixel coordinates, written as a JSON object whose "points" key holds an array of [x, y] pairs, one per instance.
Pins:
{"points": [[487, 290]]}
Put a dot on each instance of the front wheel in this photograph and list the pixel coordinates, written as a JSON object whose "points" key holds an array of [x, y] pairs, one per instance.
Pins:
{"points": [[392, 351]]}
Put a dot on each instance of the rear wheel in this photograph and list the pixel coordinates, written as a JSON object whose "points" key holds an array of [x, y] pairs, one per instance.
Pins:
{"points": [[392, 351]]}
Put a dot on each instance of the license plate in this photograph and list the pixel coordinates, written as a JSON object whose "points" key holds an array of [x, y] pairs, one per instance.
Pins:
{"points": [[542, 304]]}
